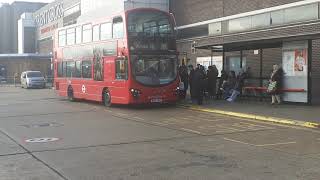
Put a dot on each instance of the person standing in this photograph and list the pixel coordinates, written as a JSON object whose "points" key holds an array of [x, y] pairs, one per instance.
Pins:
{"points": [[197, 85], [212, 81], [191, 75], [183, 72], [275, 85]]}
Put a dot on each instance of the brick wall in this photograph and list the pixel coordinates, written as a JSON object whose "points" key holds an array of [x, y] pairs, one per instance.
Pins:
{"points": [[232, 7], [316, 71], [18, 66], [192, 11]]}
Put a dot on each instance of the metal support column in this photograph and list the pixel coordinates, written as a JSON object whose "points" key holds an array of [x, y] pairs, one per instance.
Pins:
{"points": [[241, 58], [211, 63], [261, 72], [223, 59], [309, 71], [261, 66]]}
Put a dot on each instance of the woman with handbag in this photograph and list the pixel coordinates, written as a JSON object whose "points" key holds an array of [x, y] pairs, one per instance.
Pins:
{"points": [[275, 84]]}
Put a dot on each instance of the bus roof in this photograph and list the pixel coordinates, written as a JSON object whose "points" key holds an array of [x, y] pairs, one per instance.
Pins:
{"points": [[106, 18]]}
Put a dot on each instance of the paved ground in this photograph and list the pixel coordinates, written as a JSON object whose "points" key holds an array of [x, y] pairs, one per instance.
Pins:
{"points": [[302, 112], [90, 142]]}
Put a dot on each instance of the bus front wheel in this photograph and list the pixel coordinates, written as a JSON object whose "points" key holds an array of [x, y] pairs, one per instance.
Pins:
{"points": [[106, 99]]}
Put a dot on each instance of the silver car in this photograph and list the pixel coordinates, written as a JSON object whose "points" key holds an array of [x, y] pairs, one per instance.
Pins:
{"points": [[32, 79]]}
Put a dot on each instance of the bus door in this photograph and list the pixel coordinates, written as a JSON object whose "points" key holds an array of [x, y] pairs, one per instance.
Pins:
{"points": [[120, 90]]}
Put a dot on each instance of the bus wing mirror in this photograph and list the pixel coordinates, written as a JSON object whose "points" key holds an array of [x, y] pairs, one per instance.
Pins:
{"points": [[175, 23]]}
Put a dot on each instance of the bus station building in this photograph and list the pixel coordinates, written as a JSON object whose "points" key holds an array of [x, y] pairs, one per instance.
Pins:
{"points": [[238, 34]]}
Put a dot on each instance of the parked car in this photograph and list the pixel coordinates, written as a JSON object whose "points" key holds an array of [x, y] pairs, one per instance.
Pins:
{"points": [[32, 79], [2, 79]]}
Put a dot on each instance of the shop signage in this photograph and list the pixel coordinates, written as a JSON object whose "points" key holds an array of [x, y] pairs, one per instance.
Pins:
{"points": [[52, 14], [48, 29]]}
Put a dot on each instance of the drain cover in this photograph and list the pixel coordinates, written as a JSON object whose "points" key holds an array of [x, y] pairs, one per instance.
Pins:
{"points": [[42, 140], [42, 125]]}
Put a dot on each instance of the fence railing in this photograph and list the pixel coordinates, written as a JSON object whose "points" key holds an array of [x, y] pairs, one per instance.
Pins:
{"points": [[15, 82]]}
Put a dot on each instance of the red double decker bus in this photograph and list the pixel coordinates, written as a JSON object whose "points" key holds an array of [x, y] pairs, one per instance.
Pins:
{"points": [[130, 58]]}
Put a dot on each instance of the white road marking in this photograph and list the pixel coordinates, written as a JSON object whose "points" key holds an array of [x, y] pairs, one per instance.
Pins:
{"points": [[259, 145], [275, 144], [224, 126], [122, 114], [139, 118], [236, 141], [192, 131], [161, 124], [211, 120]]}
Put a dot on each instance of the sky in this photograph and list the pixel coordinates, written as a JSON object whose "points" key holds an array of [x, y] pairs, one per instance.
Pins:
{"points": [[10, 1]]}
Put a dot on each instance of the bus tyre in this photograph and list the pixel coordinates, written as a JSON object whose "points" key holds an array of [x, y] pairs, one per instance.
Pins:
{"points": [[70, 94], [106, 98]]}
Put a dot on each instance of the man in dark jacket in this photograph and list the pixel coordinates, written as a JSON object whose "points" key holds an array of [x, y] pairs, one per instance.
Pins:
{"points": [[197, 85], [191, 74], [212, 81], [183, 73]]}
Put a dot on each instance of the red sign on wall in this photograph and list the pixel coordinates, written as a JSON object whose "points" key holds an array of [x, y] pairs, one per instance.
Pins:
{"points": [[48, 29]]}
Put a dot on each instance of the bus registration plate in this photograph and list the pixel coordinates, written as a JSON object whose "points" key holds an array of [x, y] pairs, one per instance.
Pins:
{"points": [[156, 100]]}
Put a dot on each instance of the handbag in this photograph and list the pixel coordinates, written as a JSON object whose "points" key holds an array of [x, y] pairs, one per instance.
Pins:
{"points": [[272, 87], [233, 96]]}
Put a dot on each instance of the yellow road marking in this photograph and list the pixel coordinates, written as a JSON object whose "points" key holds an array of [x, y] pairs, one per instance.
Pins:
{"points": [[300, 123]]}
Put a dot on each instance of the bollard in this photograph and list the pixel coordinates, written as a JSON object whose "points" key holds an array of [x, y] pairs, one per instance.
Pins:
{"points": [[15, 79]]}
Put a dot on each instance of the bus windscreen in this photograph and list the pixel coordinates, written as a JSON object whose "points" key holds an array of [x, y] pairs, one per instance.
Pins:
{"points": [[150, 30], [154, 70]]}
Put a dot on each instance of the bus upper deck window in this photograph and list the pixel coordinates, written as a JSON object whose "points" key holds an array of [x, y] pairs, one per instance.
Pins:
{"points": [[106, 31], [86, 33], [62, 38], [118, 30]]}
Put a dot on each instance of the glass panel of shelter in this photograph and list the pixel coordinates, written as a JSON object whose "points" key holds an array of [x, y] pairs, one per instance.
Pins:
{"points": [[297, 14]]}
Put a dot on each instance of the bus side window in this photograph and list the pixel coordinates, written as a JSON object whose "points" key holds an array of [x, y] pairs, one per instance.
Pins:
{"points": [[70, 68], [122, 69], [62, 38], [118, 30], [86, 33], [106, 31], [60, 69], [77, 72], [87, 69], [96, 33], [64, 69]]}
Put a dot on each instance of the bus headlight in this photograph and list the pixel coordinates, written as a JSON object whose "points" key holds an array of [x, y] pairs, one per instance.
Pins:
{"points": [[176, 91], [135, 92]]}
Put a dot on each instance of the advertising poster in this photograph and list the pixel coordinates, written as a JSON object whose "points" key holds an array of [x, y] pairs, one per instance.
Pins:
{"points": [[288, 63], [295, 66], [295, 63], [301, 62]]}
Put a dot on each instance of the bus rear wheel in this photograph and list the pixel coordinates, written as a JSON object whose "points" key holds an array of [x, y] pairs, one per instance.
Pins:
{"points": [[70, 94], [106, 98]]}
